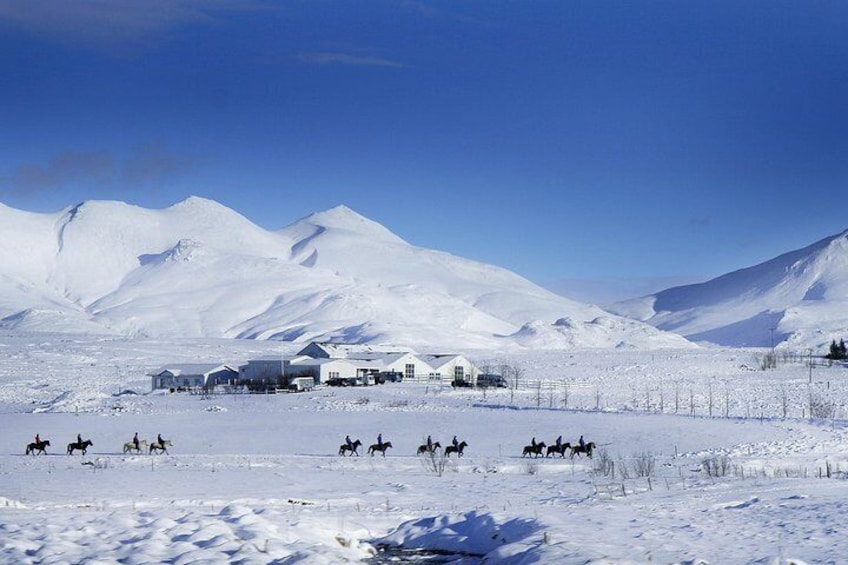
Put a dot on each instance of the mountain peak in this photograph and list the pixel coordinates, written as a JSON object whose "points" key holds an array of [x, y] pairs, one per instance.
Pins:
{"points": [[344, 218]]}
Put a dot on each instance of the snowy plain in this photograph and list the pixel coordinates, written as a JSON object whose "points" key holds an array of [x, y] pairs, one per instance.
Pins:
{"points": [[701, 458]]}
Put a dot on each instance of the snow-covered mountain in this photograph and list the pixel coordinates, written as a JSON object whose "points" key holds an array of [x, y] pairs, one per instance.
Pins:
{"points": [[199, 269], [800, 297]]}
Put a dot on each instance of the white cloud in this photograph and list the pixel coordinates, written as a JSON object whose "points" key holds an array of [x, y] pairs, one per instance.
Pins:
{"points": [[333, 58], [112, 23]]}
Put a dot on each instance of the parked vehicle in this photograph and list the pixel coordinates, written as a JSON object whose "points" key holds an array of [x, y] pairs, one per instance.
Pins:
{"points": [[490, 380]]}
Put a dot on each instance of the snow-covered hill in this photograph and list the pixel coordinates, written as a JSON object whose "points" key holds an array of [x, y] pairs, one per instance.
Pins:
{"points": [[199, 269], [800, 297]]}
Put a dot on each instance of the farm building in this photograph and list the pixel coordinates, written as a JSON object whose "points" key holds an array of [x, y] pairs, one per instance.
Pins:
{"points": [[322, 370], [192, 375], [320, 350], [449, 368]]}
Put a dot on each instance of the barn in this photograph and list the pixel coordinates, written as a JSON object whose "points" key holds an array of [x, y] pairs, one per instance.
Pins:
{"points": [[450, 367], [192, 375]]}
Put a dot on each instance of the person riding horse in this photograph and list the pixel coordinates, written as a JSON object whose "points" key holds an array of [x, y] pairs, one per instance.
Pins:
{"points": [[349, 442], [582, 443], [380, 439], [159, 440], [429, 443], [135, 442], [455, 442]]}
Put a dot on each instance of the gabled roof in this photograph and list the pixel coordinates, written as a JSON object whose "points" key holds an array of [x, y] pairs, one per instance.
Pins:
{"points": [[384, 358], [437, 361], [179, 369], [344, 350]]}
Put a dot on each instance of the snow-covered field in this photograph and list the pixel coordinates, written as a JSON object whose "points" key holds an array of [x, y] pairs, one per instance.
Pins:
{"points": [[701, 457]]}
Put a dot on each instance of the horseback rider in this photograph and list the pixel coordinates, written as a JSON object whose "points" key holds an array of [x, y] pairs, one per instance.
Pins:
{"points": [[348, 442], [135, 441], [533, 442], [559, 442], [159, 440], [455, 442], [79, 439], [429, 443], [37, 439], [582, 443], [380, 439]]}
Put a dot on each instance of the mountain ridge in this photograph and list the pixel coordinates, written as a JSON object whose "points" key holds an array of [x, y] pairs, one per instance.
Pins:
{"points": [[796, 297], [200, 269]]}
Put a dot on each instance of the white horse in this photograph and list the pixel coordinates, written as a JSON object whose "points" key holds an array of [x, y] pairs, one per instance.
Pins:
{"points": [[161, 447], [130, 446]]}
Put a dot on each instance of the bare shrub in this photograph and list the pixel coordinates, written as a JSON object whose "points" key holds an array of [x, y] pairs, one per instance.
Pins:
{"points": [[603, 464], [644, 464], [717, 466], [434, 461], [821, 407]]}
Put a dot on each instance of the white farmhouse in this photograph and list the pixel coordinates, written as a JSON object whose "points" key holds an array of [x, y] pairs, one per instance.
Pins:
{"points": [[451, 367], [192, 375]]}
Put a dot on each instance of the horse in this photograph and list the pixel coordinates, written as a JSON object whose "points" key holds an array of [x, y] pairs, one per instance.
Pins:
{"points": [[352, 448], [458, 449], [587, 449], [160, 447], [381, 447], [535, 451], [82, 446], [424, 448], [37, 447], [130, 446], [558, 449]]}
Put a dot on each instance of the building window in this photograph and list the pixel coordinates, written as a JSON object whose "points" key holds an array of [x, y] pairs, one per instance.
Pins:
{"points": [[459, 373], [409, 371], [334, 374]]}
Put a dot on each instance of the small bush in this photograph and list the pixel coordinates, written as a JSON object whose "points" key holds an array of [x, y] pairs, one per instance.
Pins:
{"points": [[717, 466]]}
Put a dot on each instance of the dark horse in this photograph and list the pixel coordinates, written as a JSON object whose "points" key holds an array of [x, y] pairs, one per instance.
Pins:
{"points": [[37, 447], [381, 447], [458, 449], [352, 448], [587, 449], [424, 448], [561, 449], [81, 445], [160, 447], [535, 451]]}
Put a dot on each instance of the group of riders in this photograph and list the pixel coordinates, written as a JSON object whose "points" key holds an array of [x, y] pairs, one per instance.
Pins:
{"points": [[456, 446], [558, 447], [80, 443]]}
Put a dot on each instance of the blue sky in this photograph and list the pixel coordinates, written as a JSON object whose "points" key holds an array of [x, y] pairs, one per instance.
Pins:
{"points": [[601, 149]]}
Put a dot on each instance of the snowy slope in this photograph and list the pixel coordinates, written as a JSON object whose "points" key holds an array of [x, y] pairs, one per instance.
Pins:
{"points": [[800, 297], [199, 269]]}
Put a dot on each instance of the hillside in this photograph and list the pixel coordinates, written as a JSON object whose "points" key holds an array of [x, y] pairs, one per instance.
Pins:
{"points": [[199, 269], [799, 298]]}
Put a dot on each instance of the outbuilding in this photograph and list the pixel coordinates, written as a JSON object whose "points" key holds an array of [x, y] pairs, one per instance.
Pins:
{"points": [[192, 375]]}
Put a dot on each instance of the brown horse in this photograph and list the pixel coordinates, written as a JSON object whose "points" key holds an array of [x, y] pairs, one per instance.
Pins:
{"points": [[381, 447], [424, 448], [587, 449], [561, 449], [353, 447], [37, 447], [534, 450], [459, 449], [82, 446]]}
